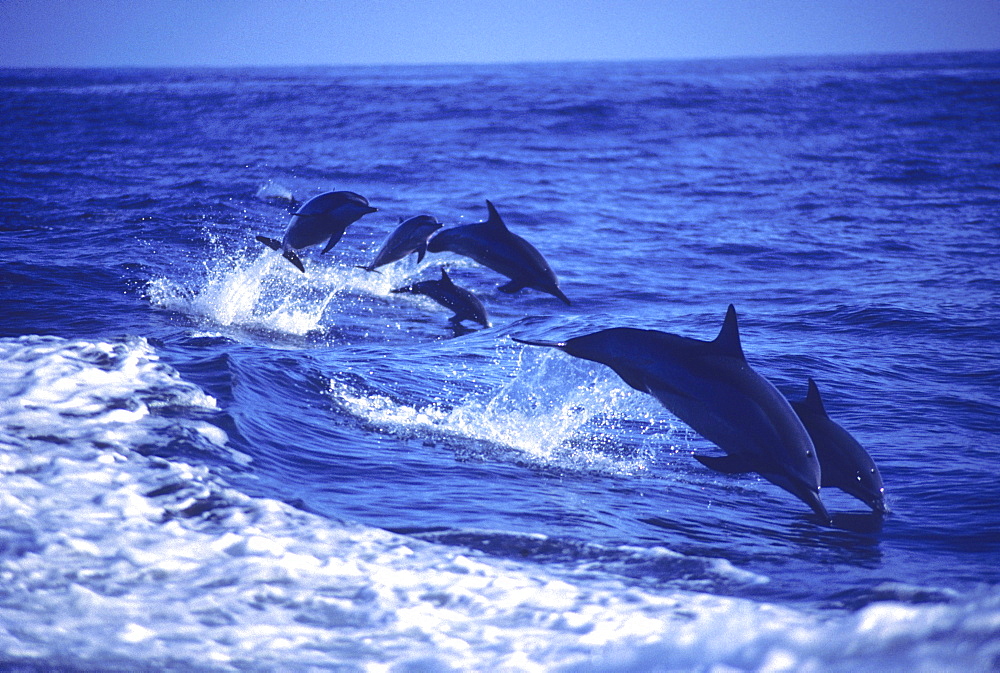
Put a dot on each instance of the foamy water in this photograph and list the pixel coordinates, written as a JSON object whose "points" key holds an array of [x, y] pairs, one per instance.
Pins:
{"points": [[119, 559]]}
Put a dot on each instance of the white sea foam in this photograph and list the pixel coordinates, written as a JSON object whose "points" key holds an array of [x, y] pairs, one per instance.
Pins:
{"points": [[260, 290], [543, 414], [115, 560]]}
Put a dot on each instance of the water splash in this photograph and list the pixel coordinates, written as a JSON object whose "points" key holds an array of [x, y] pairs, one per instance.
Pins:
{"points": [[548, 413], [259, 290]]}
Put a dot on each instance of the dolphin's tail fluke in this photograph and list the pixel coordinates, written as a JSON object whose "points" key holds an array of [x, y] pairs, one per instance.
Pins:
{"points": [[294, 259], [287, 254], [547, 344]]}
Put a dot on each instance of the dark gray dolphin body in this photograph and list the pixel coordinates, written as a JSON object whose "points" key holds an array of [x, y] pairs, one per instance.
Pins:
{"points": [[464, 304], [844, 462], [321, 218], [410, 236], [493, 245], [710, 386]]}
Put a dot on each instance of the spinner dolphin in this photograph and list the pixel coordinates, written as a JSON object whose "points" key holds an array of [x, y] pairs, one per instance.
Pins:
{"points": [[710, 386], [493, 245]]}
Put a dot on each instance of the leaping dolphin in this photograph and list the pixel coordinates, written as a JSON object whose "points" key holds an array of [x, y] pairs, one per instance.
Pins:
{"points": [[710, 386], [321, 218], [464, 304], [410, 236], [843, 461], [493, 245]]}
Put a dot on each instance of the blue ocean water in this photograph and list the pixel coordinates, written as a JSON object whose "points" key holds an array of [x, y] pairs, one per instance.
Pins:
{"points": [[211, 461]]}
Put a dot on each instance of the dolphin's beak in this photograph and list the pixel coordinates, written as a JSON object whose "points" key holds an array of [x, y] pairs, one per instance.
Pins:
{"points": [[548, 344], [877, 502], [811, 498], [871, 497]]}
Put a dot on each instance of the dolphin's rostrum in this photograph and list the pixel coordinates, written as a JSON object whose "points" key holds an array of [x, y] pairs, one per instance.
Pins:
{"points": [[710, 386], [321, 218], [493, 245]]}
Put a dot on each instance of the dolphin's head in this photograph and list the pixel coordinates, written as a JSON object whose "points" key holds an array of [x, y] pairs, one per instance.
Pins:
{"points": [[609, 346], [865, 484], [354, 209], [596, 347], [440, 241], [426, 223], [341, 205]]}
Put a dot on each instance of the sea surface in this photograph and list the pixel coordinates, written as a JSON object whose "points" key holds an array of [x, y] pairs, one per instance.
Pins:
{"points": [[210, 461]]}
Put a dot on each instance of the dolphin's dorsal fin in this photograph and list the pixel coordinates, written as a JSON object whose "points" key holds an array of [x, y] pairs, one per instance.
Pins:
{"points": [[728, 340], [813, 401], [494, 220], [445, 278]]}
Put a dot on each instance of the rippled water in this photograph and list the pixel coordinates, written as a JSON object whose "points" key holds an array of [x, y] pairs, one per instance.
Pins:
{"points": [[227, 464]]}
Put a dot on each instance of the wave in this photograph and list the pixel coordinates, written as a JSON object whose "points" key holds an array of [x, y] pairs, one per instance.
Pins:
{"points": [[114, 557], [260, 291], [548, 414]]}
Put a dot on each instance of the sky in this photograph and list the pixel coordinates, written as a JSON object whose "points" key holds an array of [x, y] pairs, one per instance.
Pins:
{"points": [[85, 33]]}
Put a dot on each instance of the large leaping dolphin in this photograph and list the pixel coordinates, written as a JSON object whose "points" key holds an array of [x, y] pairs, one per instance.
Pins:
{"points": [[493, 245], [464, 304], [843, 461], [409, 236], [321, 218], [710, 386]]}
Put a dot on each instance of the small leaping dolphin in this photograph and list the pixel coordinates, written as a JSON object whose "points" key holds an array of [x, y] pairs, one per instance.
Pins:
{"points": [[710, 386], [493, 245], [321, 218], [410, 236], [464, 304], [843, 461]]}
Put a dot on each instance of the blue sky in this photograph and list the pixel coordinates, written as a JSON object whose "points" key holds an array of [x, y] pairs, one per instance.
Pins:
{"points": [[333, 32]]}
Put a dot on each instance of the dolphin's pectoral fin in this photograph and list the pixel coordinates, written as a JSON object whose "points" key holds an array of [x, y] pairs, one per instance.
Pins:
{"points": [[334, 239], [294, 259], [725, 464], [512, 287], [634, 378], [421, 251], [269, 242]]}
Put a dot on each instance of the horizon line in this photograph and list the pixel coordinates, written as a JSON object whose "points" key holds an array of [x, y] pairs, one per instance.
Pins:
{"points": [[553, 61]]}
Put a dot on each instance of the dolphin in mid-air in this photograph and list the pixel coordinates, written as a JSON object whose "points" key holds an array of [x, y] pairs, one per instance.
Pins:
{"points": [[410, 236], [321, 218], [493, 245], [710, 386], [464, 304], [844, 462]]}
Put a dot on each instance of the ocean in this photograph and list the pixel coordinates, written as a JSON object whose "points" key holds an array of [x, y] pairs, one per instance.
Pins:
{"points": [[211, 461]]}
